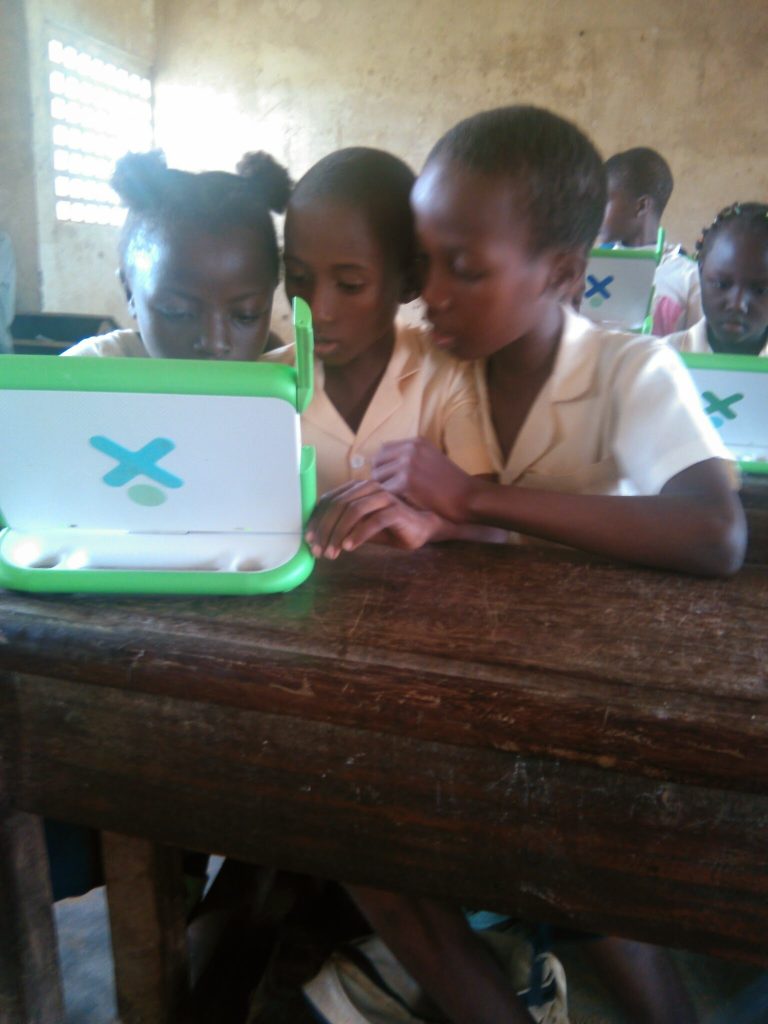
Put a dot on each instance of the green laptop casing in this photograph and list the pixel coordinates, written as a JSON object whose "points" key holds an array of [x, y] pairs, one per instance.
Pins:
{"points": [[49, 541]]}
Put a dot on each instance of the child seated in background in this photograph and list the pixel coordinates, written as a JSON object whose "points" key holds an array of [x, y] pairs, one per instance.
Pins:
{"points": [[350, 253], [198, 259], [733, 267], [598, 438], [639, 186]]}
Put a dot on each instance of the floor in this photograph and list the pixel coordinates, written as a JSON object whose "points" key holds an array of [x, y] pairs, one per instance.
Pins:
{"points": [[725, 993]]}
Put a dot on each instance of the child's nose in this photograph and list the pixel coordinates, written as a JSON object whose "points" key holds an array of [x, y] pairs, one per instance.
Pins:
{"points": [[738, 298], [323, 303], [214, 335], [434, 291]]}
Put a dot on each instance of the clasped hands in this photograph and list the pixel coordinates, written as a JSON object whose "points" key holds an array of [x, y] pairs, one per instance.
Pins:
{"points": [[415, 494]]}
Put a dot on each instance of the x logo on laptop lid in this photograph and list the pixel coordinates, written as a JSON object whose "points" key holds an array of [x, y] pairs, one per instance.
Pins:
{"points": [[720, 407], [139, 463], [598, 287]]}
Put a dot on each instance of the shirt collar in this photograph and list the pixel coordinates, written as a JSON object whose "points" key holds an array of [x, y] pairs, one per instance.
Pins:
{"points": [[577, 358]]}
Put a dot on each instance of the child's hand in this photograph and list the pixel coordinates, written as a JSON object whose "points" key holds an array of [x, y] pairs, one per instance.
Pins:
{"points": [[362, 511], [418, 471]]}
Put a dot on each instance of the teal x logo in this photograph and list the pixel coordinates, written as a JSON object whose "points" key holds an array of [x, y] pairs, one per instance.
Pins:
{"points": [[719, 409], [143, 462]]}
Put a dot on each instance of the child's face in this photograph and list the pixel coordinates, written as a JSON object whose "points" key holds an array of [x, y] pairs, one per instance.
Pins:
{"points": [[335, 263], [483, 287], [734, 291], [197, 295], [621, 222]]}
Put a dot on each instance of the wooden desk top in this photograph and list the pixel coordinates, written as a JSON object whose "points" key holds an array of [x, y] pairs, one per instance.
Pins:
{"points": [[514, 728], [515, 649]]}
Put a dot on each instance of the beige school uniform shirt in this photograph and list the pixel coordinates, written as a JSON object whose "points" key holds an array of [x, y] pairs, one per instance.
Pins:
{"points": [[423, 393], [618, 415], [695, 340], [121, 343], [116, 343]]}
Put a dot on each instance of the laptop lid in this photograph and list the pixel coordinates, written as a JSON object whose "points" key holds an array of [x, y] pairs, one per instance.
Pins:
{"points": [[734, 392], [149, 446], [619, 287]]}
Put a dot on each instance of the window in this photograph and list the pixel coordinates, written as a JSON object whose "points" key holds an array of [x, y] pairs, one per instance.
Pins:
{"points": [[99, 111]]}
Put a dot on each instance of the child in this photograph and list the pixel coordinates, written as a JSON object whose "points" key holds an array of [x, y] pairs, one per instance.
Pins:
{"points": [[350, 253], [601, 433], [639, 186], [598, 439], [733, 267], [199, 264], [198, 259]]}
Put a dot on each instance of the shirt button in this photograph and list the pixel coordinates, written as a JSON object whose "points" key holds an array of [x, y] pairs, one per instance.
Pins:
{"points": [[357, 461]]}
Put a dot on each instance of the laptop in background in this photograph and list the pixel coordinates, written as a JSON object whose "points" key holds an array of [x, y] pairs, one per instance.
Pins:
{"points": [[734, 392]]}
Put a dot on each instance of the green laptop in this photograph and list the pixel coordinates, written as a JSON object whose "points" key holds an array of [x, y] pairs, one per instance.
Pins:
{"points": [[156, 475], [734, 393]]}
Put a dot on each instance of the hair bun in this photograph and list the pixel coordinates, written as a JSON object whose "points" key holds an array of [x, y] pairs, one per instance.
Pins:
{"points": [[139, 178], [269, 177]]}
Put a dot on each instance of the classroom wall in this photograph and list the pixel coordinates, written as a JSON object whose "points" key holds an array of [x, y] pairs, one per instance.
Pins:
{"points": [[302, 77], [18, 206], [62, 267]]}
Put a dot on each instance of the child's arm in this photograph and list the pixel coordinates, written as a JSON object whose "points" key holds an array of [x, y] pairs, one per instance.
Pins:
{"points": [[653, 426], [695, 524]]}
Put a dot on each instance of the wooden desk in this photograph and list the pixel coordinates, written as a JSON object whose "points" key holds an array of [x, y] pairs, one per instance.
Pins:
{"points": [[514, 729]]}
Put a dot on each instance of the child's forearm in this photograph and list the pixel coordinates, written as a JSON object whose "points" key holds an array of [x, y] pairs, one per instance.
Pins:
{"points": [[685, 531], [445, 529]]}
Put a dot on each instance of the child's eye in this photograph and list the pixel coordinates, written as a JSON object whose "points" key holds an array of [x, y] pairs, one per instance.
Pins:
{"points": [[467, 273], [176, 314], [350, 287], [247, 318]]}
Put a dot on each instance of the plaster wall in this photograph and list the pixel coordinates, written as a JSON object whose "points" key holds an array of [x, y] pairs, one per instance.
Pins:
{"points": [[18, 206], [72, 265], [303, 77]]}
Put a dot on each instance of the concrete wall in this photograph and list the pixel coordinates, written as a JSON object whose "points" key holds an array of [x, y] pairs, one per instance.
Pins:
{"points": [[302, 77], [62, 267], [18, 203], [77, 261]]}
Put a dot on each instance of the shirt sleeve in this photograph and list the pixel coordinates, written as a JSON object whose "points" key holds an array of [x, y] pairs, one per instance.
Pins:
{"points": [[659, 425]]}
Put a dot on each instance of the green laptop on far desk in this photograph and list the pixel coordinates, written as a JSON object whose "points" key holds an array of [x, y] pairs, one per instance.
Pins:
{"points": [[734, 392]]}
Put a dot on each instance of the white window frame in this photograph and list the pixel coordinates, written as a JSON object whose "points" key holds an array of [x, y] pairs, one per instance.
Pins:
{"points": [[100, 106]]}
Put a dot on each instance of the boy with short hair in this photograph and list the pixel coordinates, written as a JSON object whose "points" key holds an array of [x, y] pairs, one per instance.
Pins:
{"points": [[639, 186]]}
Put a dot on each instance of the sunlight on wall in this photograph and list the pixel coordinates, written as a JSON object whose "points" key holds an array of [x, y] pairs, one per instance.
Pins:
{"points": [[221, 132]]}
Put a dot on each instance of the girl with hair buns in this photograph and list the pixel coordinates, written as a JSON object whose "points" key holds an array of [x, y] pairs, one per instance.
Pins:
{"points": [[199, 264], [198, 259]]}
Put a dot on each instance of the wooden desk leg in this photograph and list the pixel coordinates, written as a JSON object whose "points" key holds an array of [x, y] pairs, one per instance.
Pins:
{"points": [[145, 892], [30, 980]]}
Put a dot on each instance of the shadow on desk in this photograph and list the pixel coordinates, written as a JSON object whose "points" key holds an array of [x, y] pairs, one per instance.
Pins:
{"points": [[754, 497]]}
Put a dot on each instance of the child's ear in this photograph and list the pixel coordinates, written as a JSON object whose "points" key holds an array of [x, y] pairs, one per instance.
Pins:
{"points": [[643, 206], [567, 273], [127, 291]]}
